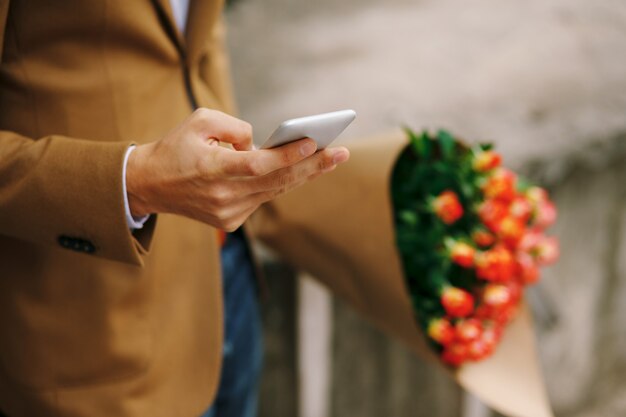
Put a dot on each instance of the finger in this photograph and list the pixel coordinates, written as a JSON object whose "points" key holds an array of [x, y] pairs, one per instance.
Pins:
{"points": [[288, 178], [213, 124], [239, 213], [262, 162]]}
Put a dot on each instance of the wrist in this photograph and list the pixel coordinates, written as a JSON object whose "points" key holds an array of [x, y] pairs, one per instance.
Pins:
{"points": [[137, 181]]}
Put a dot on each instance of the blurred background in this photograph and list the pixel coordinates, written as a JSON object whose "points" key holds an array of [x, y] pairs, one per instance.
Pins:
{"points": [[543, 79]]}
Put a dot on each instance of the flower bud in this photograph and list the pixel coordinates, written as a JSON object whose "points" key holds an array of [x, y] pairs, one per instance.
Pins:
{"points": [[545, 214], [483, 238], [492, 212], [468, 329], [441, 331], [462, 254], [501, 185], [496, 296], [457, 302], [496, 264], [490, 337], [536, 195], [521, 209], [455, 354], [531, 240], [486, 161], [447, 207], [547, 251], [527, 268], [511, 231], [478, 349]]}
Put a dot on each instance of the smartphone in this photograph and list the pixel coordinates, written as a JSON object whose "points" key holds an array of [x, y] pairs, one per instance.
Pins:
{"points": [[322, 128]]}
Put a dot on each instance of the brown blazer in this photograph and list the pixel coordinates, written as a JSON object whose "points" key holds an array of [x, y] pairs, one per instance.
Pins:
{"points": [[96, 321]]}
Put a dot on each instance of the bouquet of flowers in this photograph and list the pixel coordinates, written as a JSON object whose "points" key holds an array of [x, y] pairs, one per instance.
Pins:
{"points": [[470, 235]]}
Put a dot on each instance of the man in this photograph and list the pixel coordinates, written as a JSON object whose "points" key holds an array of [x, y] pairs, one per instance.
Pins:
{"points": [[91, 323], [112, 194]]}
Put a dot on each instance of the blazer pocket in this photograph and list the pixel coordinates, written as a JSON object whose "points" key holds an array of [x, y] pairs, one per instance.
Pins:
{"points": [[73, 320]]}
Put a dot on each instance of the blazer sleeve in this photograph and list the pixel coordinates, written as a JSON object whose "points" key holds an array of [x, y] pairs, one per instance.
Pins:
{"points": [[68, 192]]}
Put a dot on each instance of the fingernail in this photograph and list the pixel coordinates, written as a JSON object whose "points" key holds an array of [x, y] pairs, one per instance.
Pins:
{"points": [[339, 157], [307, 149]]}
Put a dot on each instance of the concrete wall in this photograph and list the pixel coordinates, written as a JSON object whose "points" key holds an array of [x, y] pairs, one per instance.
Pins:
{"points": [[545, 80]]}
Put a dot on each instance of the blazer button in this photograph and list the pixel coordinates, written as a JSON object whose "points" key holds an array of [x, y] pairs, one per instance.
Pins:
{"points": [[64, 241], [88, 247], [76, 244]]}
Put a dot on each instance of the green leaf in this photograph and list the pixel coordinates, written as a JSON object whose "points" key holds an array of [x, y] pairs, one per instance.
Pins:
{"points": [[427, 145], [417, 143], [447, 144], [409, 217]]}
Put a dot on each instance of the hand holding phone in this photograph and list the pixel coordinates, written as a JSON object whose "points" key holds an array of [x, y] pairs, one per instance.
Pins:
{"points": [[322, 128]]}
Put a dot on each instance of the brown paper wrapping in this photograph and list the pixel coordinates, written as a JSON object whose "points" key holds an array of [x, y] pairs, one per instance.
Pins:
{"points": [[340, 229]]}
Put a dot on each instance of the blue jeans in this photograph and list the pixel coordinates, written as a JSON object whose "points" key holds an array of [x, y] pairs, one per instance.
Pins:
{"points": [[237, 394]]}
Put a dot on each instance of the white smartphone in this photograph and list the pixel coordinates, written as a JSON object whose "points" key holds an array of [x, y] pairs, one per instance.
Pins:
{"points": [[322, 128]]}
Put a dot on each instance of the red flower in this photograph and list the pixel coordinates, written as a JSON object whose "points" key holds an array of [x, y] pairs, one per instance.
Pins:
{"points": [[479, 349], [547, 250], [483, 238], [490, 337], [536, 195], [545, 214], [527, 268], [492, 212], [483, 312], [468, 329], [511, 230], [486, 161], [501, 185], [497, 296], [505, 315], [495, 265], [515, 289], [441, 331], [447, 207], [455, 354], [531, 240], [462, 254], [521, 209], [457, 302]]}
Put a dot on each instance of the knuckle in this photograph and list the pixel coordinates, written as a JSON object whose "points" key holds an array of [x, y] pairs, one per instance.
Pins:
{"points": [[253, 168], [201, 113], [220, 214], [286, 179], [221, 196], [280, 191], [272, 194], [201, 167], [231, 225]]}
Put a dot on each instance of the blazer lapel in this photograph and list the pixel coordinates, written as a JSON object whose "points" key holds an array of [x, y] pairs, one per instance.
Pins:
{"points": [[203, 16], [166, 16]]}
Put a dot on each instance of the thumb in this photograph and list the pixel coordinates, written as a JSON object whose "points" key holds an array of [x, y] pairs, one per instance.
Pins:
{"points": [[213, 124]]}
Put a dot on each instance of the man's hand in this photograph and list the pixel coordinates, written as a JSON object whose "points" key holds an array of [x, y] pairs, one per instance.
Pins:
{"points": [[189, 174]]}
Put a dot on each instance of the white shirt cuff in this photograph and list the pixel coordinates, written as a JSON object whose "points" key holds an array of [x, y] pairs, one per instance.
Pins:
{"points": [[132, 221]]}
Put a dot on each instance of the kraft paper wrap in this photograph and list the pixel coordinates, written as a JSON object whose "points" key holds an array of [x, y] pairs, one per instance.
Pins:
{"points": [[340, 229]]}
